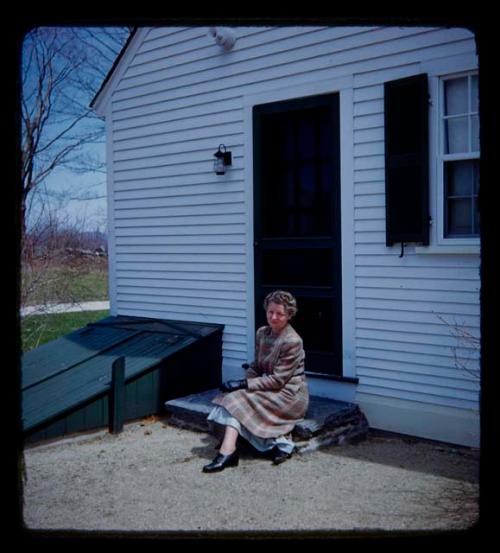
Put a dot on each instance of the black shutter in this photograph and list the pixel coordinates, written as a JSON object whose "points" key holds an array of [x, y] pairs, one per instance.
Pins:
{"points": [[406, 105]]}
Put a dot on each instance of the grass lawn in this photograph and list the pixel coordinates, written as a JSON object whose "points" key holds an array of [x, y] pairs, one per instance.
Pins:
{"points": [[39, 329], [63, 284]]}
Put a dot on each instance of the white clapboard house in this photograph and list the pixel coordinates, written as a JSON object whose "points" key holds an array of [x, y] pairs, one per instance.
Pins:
{"points": [[352, 182]]}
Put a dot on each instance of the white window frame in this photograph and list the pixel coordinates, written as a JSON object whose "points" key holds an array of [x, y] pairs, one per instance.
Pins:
{"points": [[439, 71], [443, 158]]}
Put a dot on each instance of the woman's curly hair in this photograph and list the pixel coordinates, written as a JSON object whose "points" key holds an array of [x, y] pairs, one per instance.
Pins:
{"points": [[283, 298]]}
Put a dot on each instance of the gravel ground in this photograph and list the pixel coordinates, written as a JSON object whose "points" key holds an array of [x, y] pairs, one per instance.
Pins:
{"points": [[148, 478]]}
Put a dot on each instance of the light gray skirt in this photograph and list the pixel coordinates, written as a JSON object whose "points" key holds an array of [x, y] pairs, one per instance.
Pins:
{"points": [[221, 416]]}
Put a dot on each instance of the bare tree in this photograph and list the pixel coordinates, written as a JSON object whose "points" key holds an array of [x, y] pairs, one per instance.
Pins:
{"points": [[468, 347], [62, 68], [47, 269]]}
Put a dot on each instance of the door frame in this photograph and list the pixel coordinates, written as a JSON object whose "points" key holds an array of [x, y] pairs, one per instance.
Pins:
{"points": [[344, 86], [323, 244]]}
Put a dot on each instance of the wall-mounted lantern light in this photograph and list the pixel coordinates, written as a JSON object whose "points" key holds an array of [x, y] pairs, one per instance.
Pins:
{"points": [[223, 159]]}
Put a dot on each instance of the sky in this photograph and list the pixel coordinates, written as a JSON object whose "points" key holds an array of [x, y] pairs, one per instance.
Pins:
{"points": [[76, 197], [91, 213]]}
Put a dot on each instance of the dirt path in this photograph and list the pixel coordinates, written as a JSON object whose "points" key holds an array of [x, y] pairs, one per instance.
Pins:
{"points": [[149, 478]]}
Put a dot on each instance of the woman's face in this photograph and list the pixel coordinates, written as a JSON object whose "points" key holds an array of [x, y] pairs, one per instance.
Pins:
{"points": [[277, 317]]}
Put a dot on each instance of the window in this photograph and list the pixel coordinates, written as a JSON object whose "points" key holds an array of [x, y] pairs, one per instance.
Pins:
{"points": [[459, 123], [301, 174]]}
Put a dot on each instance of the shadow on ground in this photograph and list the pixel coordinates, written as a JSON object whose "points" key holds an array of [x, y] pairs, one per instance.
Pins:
{"points": [[413, 454], [384, 448]]}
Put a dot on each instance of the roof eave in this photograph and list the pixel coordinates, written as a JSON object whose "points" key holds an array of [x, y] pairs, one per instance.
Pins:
{"points": [[99, 101]]}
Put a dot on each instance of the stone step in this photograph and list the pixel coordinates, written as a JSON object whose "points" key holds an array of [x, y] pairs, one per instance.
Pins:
{"points": [[327, 421]]}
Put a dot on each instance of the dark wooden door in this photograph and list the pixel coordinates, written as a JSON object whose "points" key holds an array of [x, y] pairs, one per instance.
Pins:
{"points": [[297, 242]]}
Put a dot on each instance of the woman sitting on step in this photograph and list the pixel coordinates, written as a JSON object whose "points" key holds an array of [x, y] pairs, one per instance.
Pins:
{"points": [[265, 406]]}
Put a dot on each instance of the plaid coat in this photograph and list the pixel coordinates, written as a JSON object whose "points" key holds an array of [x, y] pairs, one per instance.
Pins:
{"points": [[277, 396]]}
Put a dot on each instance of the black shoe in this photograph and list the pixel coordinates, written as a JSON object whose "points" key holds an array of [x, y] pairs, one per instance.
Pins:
{"points": [[279, 456], [223, 461]]}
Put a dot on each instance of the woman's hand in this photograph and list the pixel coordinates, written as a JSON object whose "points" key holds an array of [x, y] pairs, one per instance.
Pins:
{"points": [[233, 385], [291, 356]]}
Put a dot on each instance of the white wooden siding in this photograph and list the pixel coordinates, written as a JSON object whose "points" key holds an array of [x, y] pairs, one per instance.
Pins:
{"points": [[181, 232], [403, 348]]}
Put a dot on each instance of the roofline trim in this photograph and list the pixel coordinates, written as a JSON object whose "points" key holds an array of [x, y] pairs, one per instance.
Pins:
{"points": [[99, 98]]}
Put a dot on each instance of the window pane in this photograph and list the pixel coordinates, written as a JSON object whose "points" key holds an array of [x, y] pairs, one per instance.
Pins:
{"points": [[475, 202], [306, 137], [308, 224], [476, 218], [325, 207], [314, 323], [456, 96], [326, 135], [277, 199], [461, 179], [475, 133], [289, 195], [474, 94], [298, 266], [307, 184], [476, 177], [456, 135], [459, 217], [288, 141]]}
